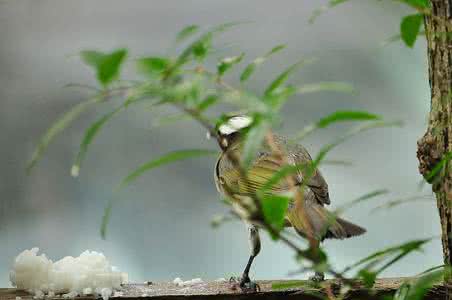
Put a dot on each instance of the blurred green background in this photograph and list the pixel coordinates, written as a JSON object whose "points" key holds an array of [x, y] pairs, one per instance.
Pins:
{"points": [[160, 230]]}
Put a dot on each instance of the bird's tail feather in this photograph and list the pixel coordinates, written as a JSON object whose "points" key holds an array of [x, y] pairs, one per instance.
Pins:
{"points": [[342, 229], [323, 224]]}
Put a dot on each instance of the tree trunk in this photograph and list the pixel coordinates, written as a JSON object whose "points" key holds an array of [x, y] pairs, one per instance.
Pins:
{"points": [[437, 141]]}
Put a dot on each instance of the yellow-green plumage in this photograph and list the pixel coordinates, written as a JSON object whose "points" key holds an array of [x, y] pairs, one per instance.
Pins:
{"points": [[265, 165]]}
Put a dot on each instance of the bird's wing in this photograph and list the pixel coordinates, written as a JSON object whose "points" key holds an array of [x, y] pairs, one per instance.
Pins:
{"points": [[260, 172], [265, 166], [316, 183]]}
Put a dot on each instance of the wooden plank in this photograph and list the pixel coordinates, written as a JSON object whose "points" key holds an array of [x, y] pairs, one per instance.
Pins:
{"points": [[226, 290]]}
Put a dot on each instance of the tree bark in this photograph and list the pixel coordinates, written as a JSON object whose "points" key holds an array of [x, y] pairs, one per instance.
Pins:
{"points": [[437, 141]]}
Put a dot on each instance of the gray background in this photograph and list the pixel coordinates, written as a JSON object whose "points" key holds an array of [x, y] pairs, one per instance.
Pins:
{"points": [[161, 228]]}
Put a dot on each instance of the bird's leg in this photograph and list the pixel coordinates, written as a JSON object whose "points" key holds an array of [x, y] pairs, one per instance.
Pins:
{"points": [[255, 247], [318, 276]]}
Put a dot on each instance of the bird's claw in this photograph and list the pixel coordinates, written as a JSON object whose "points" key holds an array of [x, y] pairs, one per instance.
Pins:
{"points": [[250, 286], [318, 277], [245, 284]]}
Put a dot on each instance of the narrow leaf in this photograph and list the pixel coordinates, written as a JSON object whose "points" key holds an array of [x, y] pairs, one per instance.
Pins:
{"points": [[249, 69], [282, 173], [90, 133], [153, 65], [253, 141], [200, 47], [360, 199], [186, 33], [325, 86], [342, 116], [274, 208], [285, 75], [106, 218], [368, 277], [163, 160], [290, 284], [421, 285], [438, 167], [227, 62], [58, 127], [417, 3], [321, 10], [405, 247], [410, 27], [207, 102], [327, 148], [92, 58], [397, 202]]}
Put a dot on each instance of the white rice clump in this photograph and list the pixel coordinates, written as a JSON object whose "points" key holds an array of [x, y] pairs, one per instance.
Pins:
{"points": [[90, 273], [179, 282]]}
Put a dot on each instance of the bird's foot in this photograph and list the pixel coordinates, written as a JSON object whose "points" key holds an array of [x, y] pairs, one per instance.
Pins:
{"points": [[318, 277], [245, 284]]}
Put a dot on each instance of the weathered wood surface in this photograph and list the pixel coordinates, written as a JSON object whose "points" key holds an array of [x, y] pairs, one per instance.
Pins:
{"points": [[226, 290]]}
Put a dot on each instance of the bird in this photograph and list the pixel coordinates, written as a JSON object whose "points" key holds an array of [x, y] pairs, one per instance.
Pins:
{"points": [[231, 183]]}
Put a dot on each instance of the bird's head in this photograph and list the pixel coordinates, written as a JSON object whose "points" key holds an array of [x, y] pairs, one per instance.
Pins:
{"points": [[229, 131]]}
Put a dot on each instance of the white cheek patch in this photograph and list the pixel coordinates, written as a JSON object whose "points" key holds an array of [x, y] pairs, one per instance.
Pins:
{"points": [[234, 124]]}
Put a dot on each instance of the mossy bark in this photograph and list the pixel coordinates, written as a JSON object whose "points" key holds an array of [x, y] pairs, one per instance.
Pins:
{"points": [[437, 141]]}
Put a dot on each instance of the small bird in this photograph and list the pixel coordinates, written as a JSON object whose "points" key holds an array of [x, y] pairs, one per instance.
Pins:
{"points": [[229, 182]]}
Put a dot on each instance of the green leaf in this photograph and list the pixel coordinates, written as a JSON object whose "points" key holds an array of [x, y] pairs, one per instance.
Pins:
{"points": [[360, 199], [327, 148], [92, 57], [274, 208], [163, 160], [279, 96], [438, 167], [368, 277], [106, 65], [186, 32], [417, 3], [326, 86], [227, 62], [290, 284], [253, 141], [283, 172], [200, 47], [153, 65], [289, 170], [402, 291], [284, 76], [342, 116], [416, 289], [405, 248], [397, 202], [106, 218], [316, 13], [250, 68], [410, 27], [90, 133], [57, 127], [207, 102]]}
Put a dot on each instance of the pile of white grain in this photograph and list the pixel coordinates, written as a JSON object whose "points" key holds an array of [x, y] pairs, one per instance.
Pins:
{"points": [[90, 273]]}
